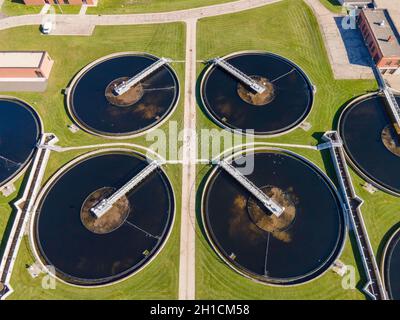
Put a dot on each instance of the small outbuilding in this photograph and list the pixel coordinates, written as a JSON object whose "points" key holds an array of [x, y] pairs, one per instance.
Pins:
{"points": [[24, 70]]}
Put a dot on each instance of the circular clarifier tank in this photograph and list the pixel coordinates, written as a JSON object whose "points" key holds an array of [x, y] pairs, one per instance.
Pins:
{"points": [[289, 249], [20, 130], [371, 143], [90, 251], [282, 106], [391, 266], [96, 107]]}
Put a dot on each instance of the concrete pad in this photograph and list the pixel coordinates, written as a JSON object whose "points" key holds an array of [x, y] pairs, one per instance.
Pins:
{"points": [[393, 81], [347, 53], [8, 189], [73, 29], [23, 84]]}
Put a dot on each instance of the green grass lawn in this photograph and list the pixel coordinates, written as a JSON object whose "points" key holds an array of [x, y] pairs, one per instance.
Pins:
{"points": [[142, 6], [216, 280], [162, 40], [17, 7], [289, 29], [381, 214], [332, 5], [160, 279]]}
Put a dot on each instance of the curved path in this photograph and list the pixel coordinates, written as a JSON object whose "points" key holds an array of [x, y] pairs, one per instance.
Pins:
{"points": [[145, 18], [190, 17]]}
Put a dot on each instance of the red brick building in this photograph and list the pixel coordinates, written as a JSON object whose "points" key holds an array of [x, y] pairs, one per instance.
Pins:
{"points": [[71, 2], [381, 38]]}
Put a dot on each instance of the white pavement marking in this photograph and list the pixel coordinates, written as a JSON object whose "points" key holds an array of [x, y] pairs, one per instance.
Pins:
{"points": [[188, 236]]}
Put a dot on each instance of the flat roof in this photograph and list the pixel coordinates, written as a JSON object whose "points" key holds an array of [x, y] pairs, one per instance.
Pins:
{"points": [[393, 6], [383, 28], [21, 59]]}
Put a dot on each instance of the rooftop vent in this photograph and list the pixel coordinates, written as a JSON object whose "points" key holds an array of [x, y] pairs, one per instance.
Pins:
{"points": [[382, 23], [390, 39]]}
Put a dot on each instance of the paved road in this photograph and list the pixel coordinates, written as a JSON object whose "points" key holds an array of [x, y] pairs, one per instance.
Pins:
{"points": [[187, 249], [130, 19], [73, 23], [347, 53], [188, 236]]}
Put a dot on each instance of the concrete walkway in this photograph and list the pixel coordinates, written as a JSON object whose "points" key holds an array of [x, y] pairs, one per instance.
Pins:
{"points": [[72, 29], [132, 19], [81, 22], [188, 222], [347, 53], [337, 55]]}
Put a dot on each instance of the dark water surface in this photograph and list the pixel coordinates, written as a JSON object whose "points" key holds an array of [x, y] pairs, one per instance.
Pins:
{"points": [[292, 102], [92, 109], [361, 128], [392, 268], [19, 134], [304, 250], [86, 258]]}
